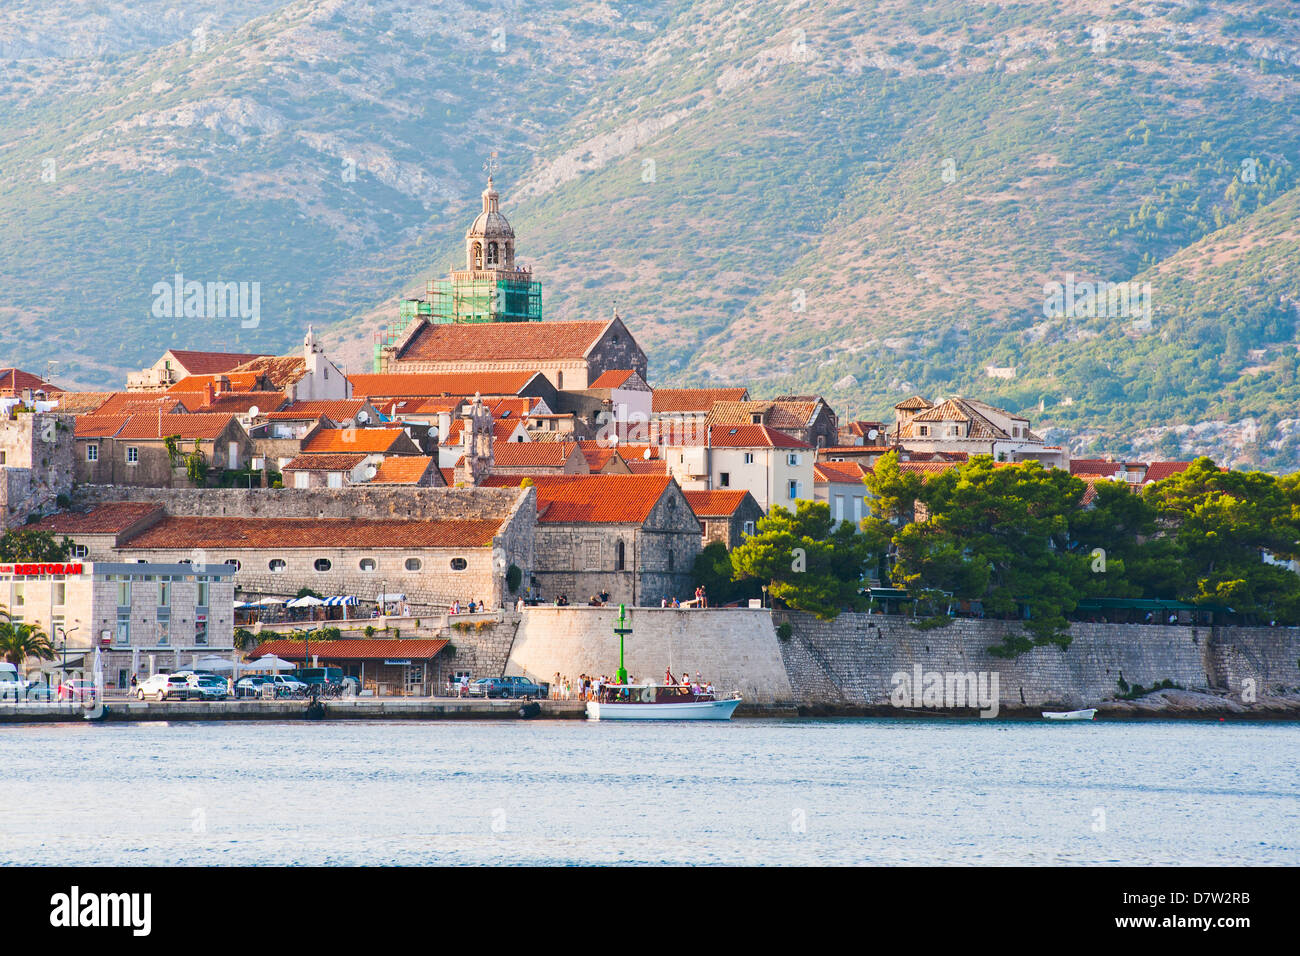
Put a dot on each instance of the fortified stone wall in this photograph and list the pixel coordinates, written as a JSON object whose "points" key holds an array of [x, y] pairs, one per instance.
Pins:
{"points": [[482, 648], [851, 660], [353, 502], [735, 649]]}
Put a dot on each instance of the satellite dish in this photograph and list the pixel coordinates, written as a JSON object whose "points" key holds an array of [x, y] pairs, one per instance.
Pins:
{"points": [[646, 454], [873, 434], [254, 412], [363, 417], [371, 471]]}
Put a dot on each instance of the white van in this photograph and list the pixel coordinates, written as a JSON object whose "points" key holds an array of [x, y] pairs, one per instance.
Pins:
{"points": [[12, 685]]}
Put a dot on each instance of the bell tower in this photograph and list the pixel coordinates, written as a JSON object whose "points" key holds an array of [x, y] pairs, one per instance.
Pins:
{"points": [[490, 242]]}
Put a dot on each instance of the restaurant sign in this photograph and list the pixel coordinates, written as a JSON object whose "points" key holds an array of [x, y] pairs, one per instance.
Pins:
{"points": [[35, 569]]}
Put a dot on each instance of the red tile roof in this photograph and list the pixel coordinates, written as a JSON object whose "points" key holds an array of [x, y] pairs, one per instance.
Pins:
{"points": [[752, 436], [614, 378], [694, 399], [597, 454], [533, 454], [402, 470], [337, 461], [502, 341], [183, 533], [717, 503], [841, 472], [111, 518], [365, 440], [280, 370], [132, 403], [1159, 470], [220, 382], [352, 650], [14, 380], [639, 466], [415, 385], [183, 427], [501, 431], [240, 403], [209, 363], [583, 499], [99, 426], [83, 403], [1094, 466], [340, 411]]}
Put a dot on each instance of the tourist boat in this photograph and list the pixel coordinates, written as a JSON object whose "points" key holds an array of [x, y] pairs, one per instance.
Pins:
{"points": [[659, 702], [1088, 714]]}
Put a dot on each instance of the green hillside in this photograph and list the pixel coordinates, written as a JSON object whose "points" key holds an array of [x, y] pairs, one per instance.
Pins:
{"points": [[863, 200]]}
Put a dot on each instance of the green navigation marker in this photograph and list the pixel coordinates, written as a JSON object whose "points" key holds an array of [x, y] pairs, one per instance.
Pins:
{"points": [[621, 676]]}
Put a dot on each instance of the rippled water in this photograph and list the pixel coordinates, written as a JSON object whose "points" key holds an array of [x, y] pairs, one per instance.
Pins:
{"points": [[747, 791]]}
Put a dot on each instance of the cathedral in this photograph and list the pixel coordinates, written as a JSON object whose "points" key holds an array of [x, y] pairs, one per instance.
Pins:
{"points": [[487, 317]]}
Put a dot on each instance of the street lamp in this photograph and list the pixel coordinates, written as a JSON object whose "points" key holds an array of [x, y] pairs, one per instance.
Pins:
{"points": [[63, 646], [764, 595]]}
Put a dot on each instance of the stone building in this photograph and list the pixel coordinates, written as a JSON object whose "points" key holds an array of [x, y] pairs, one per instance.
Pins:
{"points": [[143, 618], [178, 364], [37, 452], [726, 515], [150, 450], [633, 537], [436, 545], [805, 418], [971, 427], [775, 468]]}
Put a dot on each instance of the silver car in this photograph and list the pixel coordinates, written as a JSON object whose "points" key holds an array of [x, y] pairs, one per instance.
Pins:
{"points": [[209, 686]]}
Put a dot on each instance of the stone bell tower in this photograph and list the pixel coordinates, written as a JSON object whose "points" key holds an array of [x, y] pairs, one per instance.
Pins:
{"points": [[490, 241], [475, 462]]}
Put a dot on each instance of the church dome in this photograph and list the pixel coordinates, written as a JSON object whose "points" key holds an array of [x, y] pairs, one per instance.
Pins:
{"points": [[490, 223]]}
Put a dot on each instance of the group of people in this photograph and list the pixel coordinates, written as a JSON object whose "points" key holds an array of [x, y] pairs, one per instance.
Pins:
{"points": [[605, 688], [470, 608], [701, 600]]}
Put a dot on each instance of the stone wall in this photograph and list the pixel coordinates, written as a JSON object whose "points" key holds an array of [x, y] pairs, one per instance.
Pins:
{"points": [[482, 648], [735, 649], [38, 465], [851, 661]]}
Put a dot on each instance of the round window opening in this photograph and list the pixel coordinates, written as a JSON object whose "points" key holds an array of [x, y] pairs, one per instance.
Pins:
{"points": [[459, 564], [277, 564], [369, 564], [323, 564], [414, 564]]}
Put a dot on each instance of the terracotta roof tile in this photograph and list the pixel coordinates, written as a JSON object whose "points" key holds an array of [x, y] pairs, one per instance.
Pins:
{"points": [[337, 461], [841, 472], [502, 341], [678, 400], [716, 503], [83, 403], [240, 403], [752, 436], [402, 470], [407, 649], [1159, 470], [178, 533], [614, 378], [584, 499], [365, 440], [99, 426], [183, 427], [14, 380], [529, 454], [398, 385], [1094, 466], [111, 518], [340, 411], [639, 466], [280, 371], [133, 403], [208, 363]]}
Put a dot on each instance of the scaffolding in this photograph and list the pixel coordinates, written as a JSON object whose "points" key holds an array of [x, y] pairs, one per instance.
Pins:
{"points": [[465, 298]]}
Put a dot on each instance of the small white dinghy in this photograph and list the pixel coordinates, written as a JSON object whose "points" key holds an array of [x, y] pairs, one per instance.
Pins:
{"points": [[1088, 714]]}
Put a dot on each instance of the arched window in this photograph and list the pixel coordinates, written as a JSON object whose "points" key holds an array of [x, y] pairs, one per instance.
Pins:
{"points": [[620, 553], [459, 564], [478, 255], [414, 564], [368, 564], [323, 564], [493, 256]]}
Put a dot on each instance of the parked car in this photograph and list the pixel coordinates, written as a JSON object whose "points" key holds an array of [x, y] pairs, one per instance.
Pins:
{"points": [[251, 686], [506, 688], [209, 686], [39, 690], [77, 689], [319, 675], [166, 687]]}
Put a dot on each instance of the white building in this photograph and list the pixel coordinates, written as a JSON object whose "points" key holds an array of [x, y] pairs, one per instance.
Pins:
{"points": [[773, 467]]}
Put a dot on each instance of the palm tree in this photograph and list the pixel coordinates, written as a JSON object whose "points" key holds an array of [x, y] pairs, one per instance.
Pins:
{"points": [[21, 641]]}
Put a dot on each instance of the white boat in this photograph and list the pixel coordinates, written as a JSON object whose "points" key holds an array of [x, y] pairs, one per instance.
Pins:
{"points": [[1088, 714], [656, 702]]}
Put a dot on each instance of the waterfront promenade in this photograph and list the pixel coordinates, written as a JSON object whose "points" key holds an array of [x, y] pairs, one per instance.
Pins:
{"points": [[382, 708]]}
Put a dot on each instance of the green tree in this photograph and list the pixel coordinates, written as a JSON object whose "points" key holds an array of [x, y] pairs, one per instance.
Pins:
{"points": [[21, 641], [808, 564], [1217, 525], [24, 544], [713, 571]]}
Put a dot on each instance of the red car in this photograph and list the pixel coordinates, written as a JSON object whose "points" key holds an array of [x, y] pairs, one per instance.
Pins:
{"points": [[77, 690]]}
